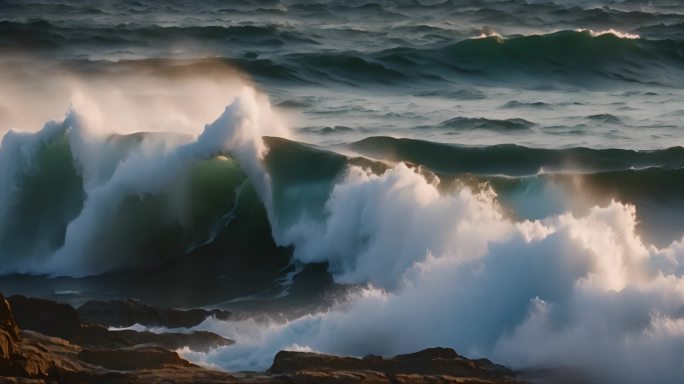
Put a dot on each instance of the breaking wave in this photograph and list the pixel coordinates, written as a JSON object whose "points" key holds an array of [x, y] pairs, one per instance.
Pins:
{"points": [[441, 266]]}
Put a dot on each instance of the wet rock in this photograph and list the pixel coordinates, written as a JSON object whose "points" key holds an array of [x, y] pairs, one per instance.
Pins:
{"points": [[45, 316]]}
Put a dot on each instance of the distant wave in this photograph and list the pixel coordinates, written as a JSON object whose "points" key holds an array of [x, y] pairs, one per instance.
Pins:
{"points": [[467, 123], [520, 104], [605, 118], [567, 57], [43, 34], [577, 58]]}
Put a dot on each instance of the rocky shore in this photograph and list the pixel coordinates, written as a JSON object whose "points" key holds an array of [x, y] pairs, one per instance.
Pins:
{"points": [[47, 342]]}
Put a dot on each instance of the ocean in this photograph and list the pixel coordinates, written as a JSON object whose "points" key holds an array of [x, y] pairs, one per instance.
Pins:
{"points": [[503, 177]]}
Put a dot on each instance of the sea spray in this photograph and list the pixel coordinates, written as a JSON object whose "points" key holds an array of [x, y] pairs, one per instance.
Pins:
{"points": [[450, 269], [567, 291]]}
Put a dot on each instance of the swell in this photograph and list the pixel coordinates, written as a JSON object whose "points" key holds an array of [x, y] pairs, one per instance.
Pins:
{"points": [[469, 123], [511, 159], [25, 36], [626, 13], [604, 174], [664, 185]]}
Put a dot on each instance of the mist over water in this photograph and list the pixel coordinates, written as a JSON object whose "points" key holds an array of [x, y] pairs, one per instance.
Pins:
{"points": [[500, 177]]}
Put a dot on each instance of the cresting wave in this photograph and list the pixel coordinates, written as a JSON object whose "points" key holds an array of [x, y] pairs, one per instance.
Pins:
{"points": [[132, 191], [439, 265], [118, 196]]}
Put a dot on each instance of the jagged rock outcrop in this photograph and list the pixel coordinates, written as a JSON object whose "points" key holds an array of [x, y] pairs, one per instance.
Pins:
{"points": [[118, 313], [63, 321], [201, 341], [9, 331], [133, 358], [90, 354], [25, 355], [45, 316], [7, 321]]}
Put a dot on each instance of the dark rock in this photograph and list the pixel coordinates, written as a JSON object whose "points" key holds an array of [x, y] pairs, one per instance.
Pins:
{"points": [[94, 335], [130, 359], [61, 320], [292, 362], [125, 357], [429, 365], [45, 316], [197, 341], [117, 313], [6, 344]]}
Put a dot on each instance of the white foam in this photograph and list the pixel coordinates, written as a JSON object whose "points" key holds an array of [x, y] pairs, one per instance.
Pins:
{"points": [[578, 292], [622, 35]]}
